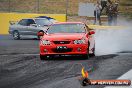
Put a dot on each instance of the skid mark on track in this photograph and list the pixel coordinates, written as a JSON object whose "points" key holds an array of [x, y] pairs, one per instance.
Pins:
{"points": [[41, 72], [19, 54]]}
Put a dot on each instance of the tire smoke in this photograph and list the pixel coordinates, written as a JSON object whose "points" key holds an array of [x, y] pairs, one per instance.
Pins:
{"points": [[113, 41]]}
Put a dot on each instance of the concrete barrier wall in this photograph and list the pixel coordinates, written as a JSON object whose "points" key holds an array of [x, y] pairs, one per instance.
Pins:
{"points": [[107, 27], [6, 17]]}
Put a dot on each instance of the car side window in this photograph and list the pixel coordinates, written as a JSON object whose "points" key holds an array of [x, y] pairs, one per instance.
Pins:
{"points": [[23, 22], [30, 21]]}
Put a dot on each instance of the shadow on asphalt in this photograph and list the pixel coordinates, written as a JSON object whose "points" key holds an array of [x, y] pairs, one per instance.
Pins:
{"points": [[27, 39], [61, 58], [8, 37]]}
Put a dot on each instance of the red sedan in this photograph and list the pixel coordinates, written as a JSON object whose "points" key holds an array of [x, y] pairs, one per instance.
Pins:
{"points": [[67, 38]]}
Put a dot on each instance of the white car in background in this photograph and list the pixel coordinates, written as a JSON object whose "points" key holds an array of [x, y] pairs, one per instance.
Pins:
{"points": [[30, 27]]}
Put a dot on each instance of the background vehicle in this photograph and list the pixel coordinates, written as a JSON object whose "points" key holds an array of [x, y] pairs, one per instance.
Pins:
{"points": [[49, 18], [67, 38], [29, 27]]}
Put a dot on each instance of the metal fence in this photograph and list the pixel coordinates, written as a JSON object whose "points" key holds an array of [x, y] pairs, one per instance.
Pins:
{"points": [[32, 6], [69, 7]]}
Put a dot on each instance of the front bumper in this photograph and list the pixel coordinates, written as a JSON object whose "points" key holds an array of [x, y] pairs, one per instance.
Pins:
{"points": [[71, 49]]}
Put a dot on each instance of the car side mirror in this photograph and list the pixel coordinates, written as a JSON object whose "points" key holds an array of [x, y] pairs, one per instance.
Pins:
{"points": [[40, 34], [35, 25], [91, 32]]}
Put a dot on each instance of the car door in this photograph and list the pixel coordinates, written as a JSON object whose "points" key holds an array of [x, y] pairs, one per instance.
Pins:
{"points": [[22, 27], [32, 27]]}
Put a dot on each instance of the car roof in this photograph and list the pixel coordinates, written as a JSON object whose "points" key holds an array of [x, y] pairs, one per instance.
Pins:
{"points": [[68, 23], [44, 17], [35, 18]]}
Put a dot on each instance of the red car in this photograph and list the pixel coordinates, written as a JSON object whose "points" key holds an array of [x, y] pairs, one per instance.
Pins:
{"points": [[67, 38]]}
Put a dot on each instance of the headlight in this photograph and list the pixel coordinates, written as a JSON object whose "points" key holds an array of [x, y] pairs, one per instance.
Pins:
{"points": [[45, 42], [79, 41]]}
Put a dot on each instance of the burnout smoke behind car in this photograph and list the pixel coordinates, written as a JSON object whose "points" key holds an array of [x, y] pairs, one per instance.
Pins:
{"points": [[112, 41]]}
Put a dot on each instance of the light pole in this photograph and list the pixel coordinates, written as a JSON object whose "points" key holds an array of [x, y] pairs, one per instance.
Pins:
{"points": [[38, 6], [9, 6], [66, 8]]}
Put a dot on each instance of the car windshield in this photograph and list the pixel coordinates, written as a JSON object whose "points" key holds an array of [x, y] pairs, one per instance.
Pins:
{"points": [[43, 22], [66, 28]]}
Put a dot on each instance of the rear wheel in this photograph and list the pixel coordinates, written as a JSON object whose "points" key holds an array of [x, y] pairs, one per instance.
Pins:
{"points": [[16, 35]]}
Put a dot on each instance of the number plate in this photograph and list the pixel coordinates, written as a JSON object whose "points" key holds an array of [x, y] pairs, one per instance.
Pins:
{"points": [[61, 47]]}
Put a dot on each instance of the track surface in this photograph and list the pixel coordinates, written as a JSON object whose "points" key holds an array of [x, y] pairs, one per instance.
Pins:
{"points": [[20, 66]]}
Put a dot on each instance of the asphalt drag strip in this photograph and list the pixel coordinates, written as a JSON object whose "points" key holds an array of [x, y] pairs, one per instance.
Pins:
{"points": [[30, 72], [21, 67]]}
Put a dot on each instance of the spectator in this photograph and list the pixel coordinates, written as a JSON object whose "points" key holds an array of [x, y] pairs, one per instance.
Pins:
{"points": [[112, 12], [115, 13], [104, 3], [109, 13], [97, 13]]}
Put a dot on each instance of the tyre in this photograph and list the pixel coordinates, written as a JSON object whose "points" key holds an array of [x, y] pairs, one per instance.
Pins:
{"points": [[42, 57], [39, 37], [93, 54], [86, 56], [16, 35]]}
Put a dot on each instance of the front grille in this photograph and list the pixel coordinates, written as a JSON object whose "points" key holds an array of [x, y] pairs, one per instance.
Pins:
{"points": [[62, 50], [61, 42]]}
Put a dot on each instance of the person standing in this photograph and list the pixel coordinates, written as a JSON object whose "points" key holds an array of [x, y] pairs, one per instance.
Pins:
{"points": [[115, 13], [104, 3], [97, 13], [109, 13], [112, 12]]}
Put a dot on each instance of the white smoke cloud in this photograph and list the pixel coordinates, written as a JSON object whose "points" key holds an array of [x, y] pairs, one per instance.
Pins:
{"points": [[111, 41]]}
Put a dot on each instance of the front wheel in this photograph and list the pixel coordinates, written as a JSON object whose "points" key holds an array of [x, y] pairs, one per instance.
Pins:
{"points": [[39, 37], [16, 35], [42, 57], [93, 54], [86, 56]]}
